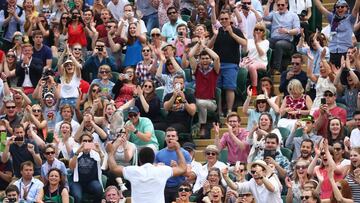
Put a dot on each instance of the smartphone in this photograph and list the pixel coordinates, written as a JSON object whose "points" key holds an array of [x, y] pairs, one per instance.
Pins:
{"points": [[3, 137], [177, 86], [269, 153], [19, 139], [323, 101], [89, 145], [303, 123]]}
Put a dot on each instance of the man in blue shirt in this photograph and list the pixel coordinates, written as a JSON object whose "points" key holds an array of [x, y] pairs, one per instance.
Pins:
{"points": [[41, 51], [168, 157], [342, 24], [168, 30], [284, 25]]}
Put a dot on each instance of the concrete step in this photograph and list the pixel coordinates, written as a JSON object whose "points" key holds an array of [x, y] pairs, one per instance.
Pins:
{"points": [[276, 79], [200, 156], [203, 142]]}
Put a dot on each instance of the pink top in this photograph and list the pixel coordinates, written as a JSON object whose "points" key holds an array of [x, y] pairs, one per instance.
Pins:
{"points": [[326, 189], [125, 94], [234, 153], [296, 104]]}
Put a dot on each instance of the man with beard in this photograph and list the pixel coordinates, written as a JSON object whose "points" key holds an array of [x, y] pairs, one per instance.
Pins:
{"points": [[302, 146]]}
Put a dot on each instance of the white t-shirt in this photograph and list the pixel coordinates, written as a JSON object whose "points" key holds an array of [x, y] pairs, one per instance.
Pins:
{"points": [[253, 53], [260, 193], [147, 182], [355, 138], [297, 6]]}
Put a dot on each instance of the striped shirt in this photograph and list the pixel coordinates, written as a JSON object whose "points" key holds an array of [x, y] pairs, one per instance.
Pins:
{"points": [[355, 188]]}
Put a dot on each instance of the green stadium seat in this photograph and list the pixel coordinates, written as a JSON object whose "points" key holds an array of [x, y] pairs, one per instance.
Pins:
{"points": [[286, 152], [223, 156], [160, 135], [284, 133]]}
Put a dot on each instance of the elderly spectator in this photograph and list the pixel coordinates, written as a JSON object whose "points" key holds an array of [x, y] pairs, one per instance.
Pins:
{"points": [[113, 195], [342, 24], [234, 140], [284, 26]]}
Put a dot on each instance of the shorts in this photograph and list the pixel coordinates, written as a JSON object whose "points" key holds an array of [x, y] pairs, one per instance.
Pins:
{"points": [[228, 76]]}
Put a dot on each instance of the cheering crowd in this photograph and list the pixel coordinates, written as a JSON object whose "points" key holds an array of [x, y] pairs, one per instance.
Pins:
{"points": [[104, 101]]}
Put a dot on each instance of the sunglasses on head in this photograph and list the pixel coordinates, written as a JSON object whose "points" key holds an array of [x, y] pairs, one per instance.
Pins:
{"points": [[305, 197], [210, 153], [48, 153], [184, 189]]}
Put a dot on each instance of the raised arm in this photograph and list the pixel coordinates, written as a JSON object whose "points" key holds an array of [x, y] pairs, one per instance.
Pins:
{"points": [[356, 8], [321, 8], [180, 169]]}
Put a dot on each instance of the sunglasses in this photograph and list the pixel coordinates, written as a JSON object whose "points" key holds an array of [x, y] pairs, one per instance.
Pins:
{"points": [[258, 30], [104, 72], [36, 110], [10, 107], [224, 18], [10, 56], [155, 35], [337, 149], [42, 21], [148, 86], [280, 5], [295, 63], [241, 170], [95, 90], [261, 101], [244, 3], [300, 167], [245, 195], [3, 131], [77, 49], [109, 27], [65, 17], [253, 172], [132, 115], [305, 197], [170, 13], [328, 95], [184, 189], [146, 50], [210, 153], [340, 7], [322, 153], [87, 141], [48, 153]]}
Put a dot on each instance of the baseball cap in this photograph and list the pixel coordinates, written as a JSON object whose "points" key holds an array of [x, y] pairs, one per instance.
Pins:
{"points": [[307, 118], [331, 89], [133, 109], [189, 146]]}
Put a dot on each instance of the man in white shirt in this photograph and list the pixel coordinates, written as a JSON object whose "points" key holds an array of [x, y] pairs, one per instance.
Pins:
{"points": [[147, 180], [264, 185], [116, 8], [355, 133], [249, 17]]}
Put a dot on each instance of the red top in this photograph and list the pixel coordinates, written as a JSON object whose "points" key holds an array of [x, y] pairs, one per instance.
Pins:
{"points": [[334, 112], [102, 31], [77, 35], [296, 104], [205, 83]]}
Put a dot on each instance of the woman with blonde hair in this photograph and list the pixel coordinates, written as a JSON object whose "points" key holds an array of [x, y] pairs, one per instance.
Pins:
{"points": [[30, 13], [103, 81], [33, 115], [295, 105], [94, 101], [257, 58]]}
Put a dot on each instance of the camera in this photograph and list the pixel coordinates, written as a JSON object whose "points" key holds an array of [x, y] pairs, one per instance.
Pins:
{"points": [[177, 86], [244, 6], [323, 101], [11, 200], [270, 153], [181, 34], [100, 49], [19, 139], [303, 14]]}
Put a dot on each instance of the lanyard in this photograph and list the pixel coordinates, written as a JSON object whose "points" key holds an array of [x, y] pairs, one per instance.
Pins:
{"points": [[27, 191]]}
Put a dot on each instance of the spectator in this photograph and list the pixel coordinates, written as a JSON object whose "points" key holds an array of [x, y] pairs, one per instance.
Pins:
{"points": [[70, 82], [267, 86], [130, 17], [12, 19], [206, 74], [295, 72], [46, 85], [353, 175], [184, 192], [58, 10], [339, 154], [11, 194], [29, 187], [140, 130], [116, 7], [21, 149], [213, 179], [51, 163], [168, 30], [272, 155], [66, 143], [284, 26], [355, 133], [85, 165], [76, 29], [149, 12], [234, 140], [295, 105], [249, 17], [154, 186], [264, 184], [180, 106], [299, 177], [94, 103], [227, 39], [135, 41], [336, 131], [181, 40], [258, 134], [148, 102], [303, 146], [28, 70], [99, 57], [341, 23], [212, 164], [34, 116], [113, 195], [262, 104], [195, 165], [8, 65], [67, 113], [125, 87], [169, 157], [55, 189], [257, 48], [303, 10], [104, 82], [327, 110], [11, 118], [313, 196], [146, 69]]}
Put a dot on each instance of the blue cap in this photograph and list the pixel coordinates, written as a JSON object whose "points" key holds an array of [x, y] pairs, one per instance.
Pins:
{"points": [[133, 109], [341, 3]]}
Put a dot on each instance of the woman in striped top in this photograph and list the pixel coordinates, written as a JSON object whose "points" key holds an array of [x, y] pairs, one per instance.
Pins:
{"points": [[353, 177]]}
